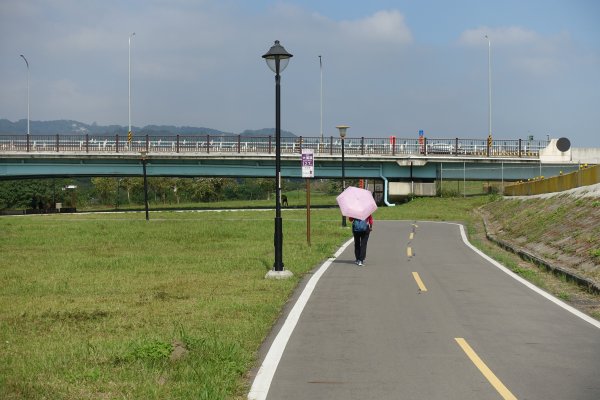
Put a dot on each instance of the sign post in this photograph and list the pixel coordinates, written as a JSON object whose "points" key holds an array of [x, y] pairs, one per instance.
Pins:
{"points": [[308, 171]]}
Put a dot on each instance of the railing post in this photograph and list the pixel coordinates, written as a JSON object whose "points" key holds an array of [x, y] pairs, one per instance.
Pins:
{"points": [[57, 143], [519, 147], [300, 144], [394, 147], [362, 145], [177, 145], [147, 143], [117, 142], [331, 145], [456, 147], [239, 143], [28, 143], [208, 143], [87, 143], [269, 144], [424, 145]]}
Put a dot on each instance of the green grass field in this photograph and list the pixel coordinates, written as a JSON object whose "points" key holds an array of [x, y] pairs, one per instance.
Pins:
{"points": [[106, 306]]}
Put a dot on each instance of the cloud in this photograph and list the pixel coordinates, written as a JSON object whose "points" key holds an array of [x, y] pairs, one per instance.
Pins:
{"points": [[512, 35], [521, 49], [84, 40], [383, 26]]}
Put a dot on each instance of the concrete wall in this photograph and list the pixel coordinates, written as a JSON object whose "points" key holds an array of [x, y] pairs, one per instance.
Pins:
{"points": [[586, 155], [574, 155], [416, 188]]}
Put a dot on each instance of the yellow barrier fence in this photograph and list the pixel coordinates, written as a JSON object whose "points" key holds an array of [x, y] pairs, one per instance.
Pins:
{"points": [[584, 177]]}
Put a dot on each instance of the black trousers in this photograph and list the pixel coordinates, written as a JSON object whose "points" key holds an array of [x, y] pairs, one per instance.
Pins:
{"points": [[360, 244]]}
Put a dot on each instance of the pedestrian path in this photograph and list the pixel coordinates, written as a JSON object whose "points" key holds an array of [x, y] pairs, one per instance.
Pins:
{"points": [[427, 318]]}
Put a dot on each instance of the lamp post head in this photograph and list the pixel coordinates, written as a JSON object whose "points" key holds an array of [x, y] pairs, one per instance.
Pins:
{"points": [[26, 62], [277, 57], [342, 129]]}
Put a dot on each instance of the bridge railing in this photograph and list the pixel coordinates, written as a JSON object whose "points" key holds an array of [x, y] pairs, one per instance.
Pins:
{"points": [[266, 145]]}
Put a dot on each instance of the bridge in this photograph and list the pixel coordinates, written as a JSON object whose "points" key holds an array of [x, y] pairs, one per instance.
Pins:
{"points": [[395, 161]]}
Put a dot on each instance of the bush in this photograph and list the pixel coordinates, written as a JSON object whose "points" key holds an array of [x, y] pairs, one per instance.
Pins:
{"points": [[449, 193]]}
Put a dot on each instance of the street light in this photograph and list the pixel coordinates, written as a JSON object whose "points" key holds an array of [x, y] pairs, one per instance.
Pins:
{"points": [[321, 70], [129, 136], [27, 63], [277, 59], [489, 91], [342, 129]]}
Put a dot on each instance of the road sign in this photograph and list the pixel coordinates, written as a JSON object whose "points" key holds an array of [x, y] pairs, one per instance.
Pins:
{"points": [[308, 163]]}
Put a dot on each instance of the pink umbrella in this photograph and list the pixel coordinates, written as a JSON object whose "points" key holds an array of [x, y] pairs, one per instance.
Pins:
{"points": [[356, 203]]}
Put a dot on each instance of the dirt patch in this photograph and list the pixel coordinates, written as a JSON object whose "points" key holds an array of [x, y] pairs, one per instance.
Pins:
{"points": [[179, 351]]}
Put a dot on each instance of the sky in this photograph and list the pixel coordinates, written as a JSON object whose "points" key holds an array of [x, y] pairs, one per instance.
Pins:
{"points": [[388, 67]]}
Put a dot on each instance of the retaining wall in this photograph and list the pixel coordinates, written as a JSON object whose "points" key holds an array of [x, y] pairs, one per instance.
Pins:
{"points": [[583, 177]]}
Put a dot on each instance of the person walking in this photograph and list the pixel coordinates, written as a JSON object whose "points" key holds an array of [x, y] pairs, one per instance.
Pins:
{"points": [[361, 230]]}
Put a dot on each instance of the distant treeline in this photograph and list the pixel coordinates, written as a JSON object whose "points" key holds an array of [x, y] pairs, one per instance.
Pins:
{"points": [[112, 191]]}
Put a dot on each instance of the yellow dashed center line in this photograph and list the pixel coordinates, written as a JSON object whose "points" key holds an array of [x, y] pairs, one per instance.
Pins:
{"points": [[489, 375], [409, 252], [419, 282], [412, 235]]}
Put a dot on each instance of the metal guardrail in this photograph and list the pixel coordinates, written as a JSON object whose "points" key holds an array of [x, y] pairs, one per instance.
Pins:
{"points": [[266, 145]]}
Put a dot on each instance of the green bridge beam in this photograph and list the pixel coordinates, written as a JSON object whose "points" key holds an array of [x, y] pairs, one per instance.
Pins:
{"points": [[394, 169]]}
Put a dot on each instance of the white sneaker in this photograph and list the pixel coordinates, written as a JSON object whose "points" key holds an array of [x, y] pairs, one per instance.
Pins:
{"points": [[360, 263]]}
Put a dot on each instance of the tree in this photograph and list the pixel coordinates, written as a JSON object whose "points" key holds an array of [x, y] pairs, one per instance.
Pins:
{"points": [[21, 193], [105, 189], [204, 189], [265, 187], [161, 187], [131, 185]]}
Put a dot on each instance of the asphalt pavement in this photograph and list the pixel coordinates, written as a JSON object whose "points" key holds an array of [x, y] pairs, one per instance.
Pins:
{"points": [[427, 317]]}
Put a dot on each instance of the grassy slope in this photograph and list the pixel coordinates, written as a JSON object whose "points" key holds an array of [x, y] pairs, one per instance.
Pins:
{"points": [[562, 229]]}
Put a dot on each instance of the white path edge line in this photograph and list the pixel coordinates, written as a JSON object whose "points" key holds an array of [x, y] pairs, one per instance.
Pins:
{"points": [[531, 286], [262, 381]]}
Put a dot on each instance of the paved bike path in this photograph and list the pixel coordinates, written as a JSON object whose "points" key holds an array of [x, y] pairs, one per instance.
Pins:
{"points": [[429, 318]]}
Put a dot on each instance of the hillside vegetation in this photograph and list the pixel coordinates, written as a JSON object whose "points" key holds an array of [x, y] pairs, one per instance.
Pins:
{"points": [[562, 229]]}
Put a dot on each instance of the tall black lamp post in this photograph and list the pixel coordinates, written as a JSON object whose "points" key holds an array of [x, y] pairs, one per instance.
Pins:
{"points": [[277, 59], [342, 129]]}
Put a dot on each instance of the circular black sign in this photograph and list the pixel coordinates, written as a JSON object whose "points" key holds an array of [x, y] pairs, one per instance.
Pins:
{"points": [[563, 144]]}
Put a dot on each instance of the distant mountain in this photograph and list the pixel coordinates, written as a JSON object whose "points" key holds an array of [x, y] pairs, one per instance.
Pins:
{"points": [[266, 132], [69, 127], [179, 130], [45, 127]]}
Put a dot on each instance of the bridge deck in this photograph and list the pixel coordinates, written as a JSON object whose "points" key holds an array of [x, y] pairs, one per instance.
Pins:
{"points": [[266, 145]]}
